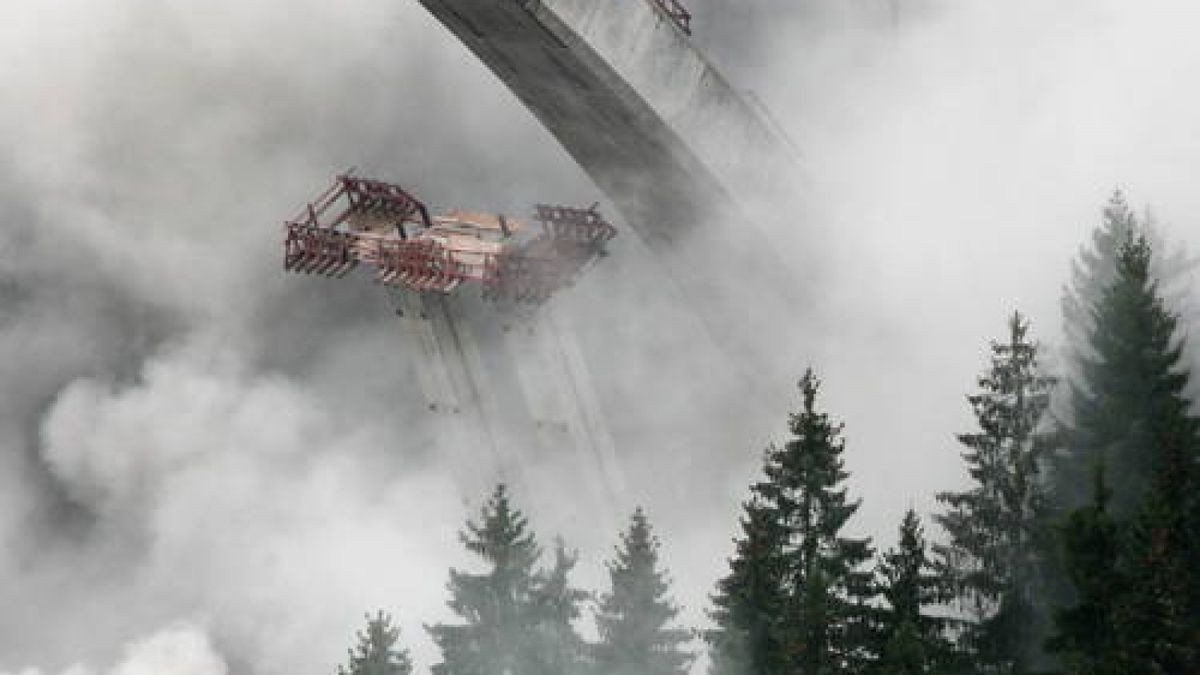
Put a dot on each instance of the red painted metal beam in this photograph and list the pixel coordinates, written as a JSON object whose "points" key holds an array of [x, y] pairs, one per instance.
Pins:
{"points": [[440, 254]]}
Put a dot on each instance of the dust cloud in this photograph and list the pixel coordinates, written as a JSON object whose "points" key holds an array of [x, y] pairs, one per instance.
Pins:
{"points": [[207, 466]]}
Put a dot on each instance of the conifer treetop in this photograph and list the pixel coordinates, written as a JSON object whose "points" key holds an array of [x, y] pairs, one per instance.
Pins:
{"points": [[750, 604], [516, 618], [1130, 398], [912, 637], [634, 616], [798, 594], [376, 652], [995, 525], [501, 532]]}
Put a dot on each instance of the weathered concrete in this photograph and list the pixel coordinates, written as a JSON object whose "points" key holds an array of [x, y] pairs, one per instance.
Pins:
{"points": [[685, 158], [505, 391], [692, 166], [624, 91], [727, 132]]}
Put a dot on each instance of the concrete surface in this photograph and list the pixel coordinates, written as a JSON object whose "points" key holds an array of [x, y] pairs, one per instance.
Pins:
{"points": [[690, 163]]}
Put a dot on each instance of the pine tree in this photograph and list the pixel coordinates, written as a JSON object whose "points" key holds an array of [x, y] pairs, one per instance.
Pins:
{"points": [[905, 652], [517, 618], [1158, 618], [1130, 395], [1086, 633], [1092, 272], [1139, 607], [913, 640], [1095, 268], [996, 527], [749, 607], [634, 616], [557, 648], [1155, 619], [376, 652], [831, 587], [823, 624]]}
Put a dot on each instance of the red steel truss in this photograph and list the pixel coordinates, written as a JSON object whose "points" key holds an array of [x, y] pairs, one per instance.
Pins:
{"points": [[359, 221], [678, 13]]}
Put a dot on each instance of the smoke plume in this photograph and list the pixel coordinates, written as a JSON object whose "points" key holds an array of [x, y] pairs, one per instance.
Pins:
{"points": [[207, 466]]}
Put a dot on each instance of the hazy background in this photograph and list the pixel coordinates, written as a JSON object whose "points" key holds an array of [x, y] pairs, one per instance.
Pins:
{"points": [[207, 466]]}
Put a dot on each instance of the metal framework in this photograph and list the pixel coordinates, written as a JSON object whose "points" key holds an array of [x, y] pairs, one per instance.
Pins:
{"points": [[678, 13], [360, 221]]}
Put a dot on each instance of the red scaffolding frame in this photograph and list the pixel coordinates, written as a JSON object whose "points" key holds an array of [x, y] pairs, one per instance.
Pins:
{"points": [[360, 221]]}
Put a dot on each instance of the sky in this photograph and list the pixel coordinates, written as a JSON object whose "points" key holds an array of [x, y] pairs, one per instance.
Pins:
{"points": [[208, 466]]}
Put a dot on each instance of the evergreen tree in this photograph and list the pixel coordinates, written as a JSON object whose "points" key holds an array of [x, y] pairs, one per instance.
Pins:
{"points": [[517, 618], [1092, 272], [376, 652], [905, 652], [1139, 607], [1158, 618], [830, 585], [1095, 268], [912, 640], [749, 607], [1155, 619], [1086, 633], [996, 527], [823, 624], [1130, 396], [556, 647], [634, 616]]}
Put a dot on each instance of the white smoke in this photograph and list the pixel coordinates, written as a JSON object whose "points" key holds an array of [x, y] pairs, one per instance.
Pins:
{"points": [[189, 431], [119, 448], [181, 649], [186, 432], [245, 498]]}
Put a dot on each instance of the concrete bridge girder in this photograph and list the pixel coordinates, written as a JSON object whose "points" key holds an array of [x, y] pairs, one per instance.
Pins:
{"points": [[688, 161]]}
